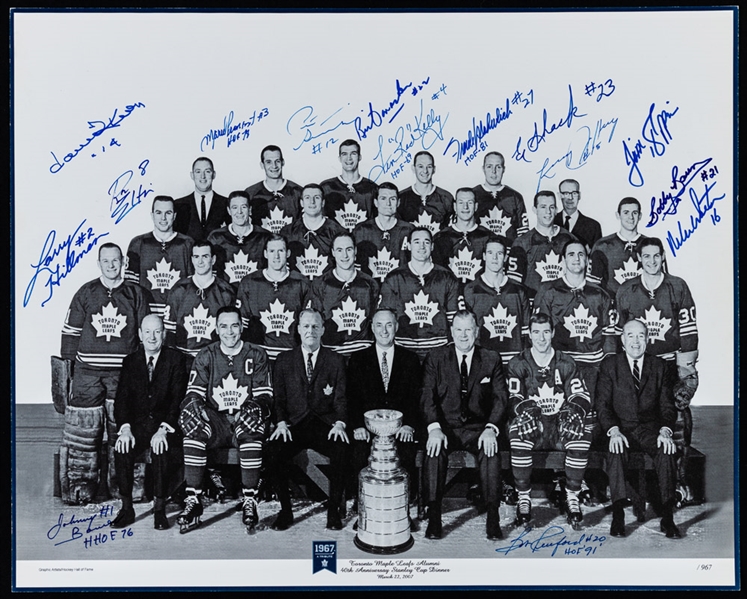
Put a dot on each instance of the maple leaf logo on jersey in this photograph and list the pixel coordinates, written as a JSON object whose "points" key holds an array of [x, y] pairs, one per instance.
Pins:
{"points": [[500, 323], [163, 277], [425, 219], [629, 270], [421, 310], [230, 395], [656, 325], [276, 221], [548, 400], [239, 267], [550, 268], [277, 319], [495, 221], [580, 324], [382, 264], [464, 265], [350, 215], [311, 264], [348, 316], [199, 325], [109, 323]]}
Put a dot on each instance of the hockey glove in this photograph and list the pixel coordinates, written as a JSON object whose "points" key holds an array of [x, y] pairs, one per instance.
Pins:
{"points": [[194, 422], [529, 421], [571, 422], [251, 418]]}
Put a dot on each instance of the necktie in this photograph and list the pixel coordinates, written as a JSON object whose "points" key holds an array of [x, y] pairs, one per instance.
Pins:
{"points": [[309, 367], [567, 223], [385, 372], [151, 366], [636, 376], [203, 212], [464, 379]]}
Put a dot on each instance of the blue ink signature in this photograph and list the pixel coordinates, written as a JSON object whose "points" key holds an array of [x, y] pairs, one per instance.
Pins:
{"points": [[654, 127], [232, 132], [304, 119], [376, 117], [585, 544], [704, 206], [426, 129], [114, 121], [538, 137], [124, 200], [666, 203], [85, 239], [64, 522], [478, 131], [591, 143]]}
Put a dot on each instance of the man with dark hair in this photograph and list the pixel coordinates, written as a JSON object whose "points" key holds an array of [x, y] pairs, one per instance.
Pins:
{"points": [[463, 400], [203, 211], [159, 260], [349, 196], [570, 218], [424, 204], [274, 202]]}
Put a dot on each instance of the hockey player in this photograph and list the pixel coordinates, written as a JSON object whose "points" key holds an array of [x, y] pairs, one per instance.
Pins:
{"points": [[159, 260], [349, 196], [239, 245], [460, 246], [193, 304], [346, 298], [227, 405], [271, 299], [570, 218], [381, 242], [549, 403], [500, 208], [202, 211], [535, 256], [424, 295], [101, 328], [500, 305], [275, 201], [310, 237], [424, 204], [613, 258]]}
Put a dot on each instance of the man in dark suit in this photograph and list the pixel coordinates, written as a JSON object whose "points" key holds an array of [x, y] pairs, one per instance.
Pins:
{"points": [[637, 411], [586, 229], [153, 382], [310, 411], [463, 400], [384, 376], [203, 211]]}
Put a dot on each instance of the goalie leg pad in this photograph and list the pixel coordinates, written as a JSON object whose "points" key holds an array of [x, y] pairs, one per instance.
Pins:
{"points": [[79, 454]]}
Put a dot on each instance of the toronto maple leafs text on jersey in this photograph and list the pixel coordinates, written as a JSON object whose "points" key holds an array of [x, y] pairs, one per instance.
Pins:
{"points": [[310, 250], [349, 204], [501, 212], [614, 261], [534, 259]]}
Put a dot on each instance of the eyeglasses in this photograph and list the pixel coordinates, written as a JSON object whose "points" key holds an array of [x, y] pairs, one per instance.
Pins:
{"points": [[567, 194]]}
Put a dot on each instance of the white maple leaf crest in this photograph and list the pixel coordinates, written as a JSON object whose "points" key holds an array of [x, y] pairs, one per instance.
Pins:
{"points": [[276, 221], [311, 264], [464, 265], [350, 215], [199, 324], [420, 309], [580, 324], [348, 317], [382, 264], [495, 221], [550, 268], [163, 277], [500, 323], [277, 319], [425, 219], [656, 325], [229, 395], [328, 389], [109, 323], [239, 267], [549, 401], [629, 270]]}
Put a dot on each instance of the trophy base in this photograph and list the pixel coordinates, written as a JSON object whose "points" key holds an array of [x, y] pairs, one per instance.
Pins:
{"points": [[384, 550]]}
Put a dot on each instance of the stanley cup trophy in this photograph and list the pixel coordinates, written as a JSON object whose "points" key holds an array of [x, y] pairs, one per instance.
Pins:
{"points": [[383, 490]]}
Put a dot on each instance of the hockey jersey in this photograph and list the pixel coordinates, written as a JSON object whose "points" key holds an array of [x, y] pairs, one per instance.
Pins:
{"points": [[668, 311], [224, 382], [461, 252], [191, 311], [272, 210], [501, 212], [349, 204], [433, 211], [310, 251], [549, 387], [237, 256], [614, 261], [534, 258], [379, 252], [101, 326]]}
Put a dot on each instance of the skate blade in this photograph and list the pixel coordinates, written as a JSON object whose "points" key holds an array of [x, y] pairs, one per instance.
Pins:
{"points": [[185, 528]]}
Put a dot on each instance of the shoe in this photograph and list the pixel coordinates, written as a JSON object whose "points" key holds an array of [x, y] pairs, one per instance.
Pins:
{"points": [[573, 509], [510, 495], [355, 525], [618, 524], [189, 519], [220, 488], [523, 511], [333, 519], [493, 526], [249, 516], [668, 527], [639, 511], [124, 517], [283, 521], [160, 521], [434, 529]]}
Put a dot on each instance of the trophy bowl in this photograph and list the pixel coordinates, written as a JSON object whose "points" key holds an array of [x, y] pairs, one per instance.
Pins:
{"points": [[383, 423]]}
